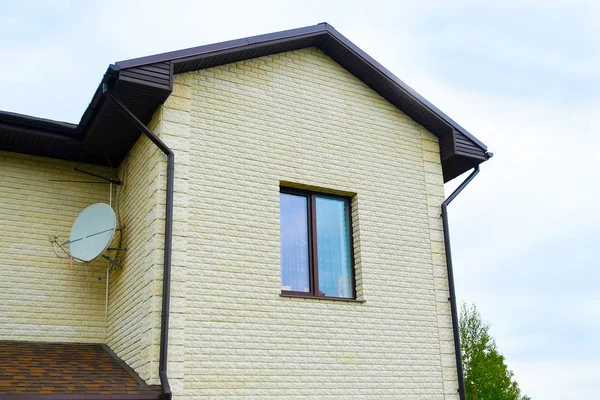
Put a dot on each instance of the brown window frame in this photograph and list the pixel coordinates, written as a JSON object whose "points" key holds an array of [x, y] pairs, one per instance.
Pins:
{"points": [[313, 259]]}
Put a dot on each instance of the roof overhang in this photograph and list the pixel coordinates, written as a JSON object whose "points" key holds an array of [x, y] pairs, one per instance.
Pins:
{"points": [[104, 135]]}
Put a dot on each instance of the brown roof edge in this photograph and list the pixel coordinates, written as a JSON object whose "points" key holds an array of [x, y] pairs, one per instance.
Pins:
{"points": [[22, 122], [388, 74], [60, 129], [7, 116], [322, 28], [234, 44], [123, 364], [103, 136]]}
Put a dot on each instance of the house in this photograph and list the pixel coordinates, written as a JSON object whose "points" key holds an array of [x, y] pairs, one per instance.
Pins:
{"points": [[281, 203]]}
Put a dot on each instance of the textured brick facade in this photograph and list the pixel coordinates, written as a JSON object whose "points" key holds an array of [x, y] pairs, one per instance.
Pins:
{"points": [[300, 119], [133, 315], [136, 292], [239, 131], [43, 297]]}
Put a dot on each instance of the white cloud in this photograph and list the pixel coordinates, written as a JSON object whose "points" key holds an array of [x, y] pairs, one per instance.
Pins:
{"points": [[560, 379]]}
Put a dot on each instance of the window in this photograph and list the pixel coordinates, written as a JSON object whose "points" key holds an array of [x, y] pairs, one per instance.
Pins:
{"points": [[316, 245]]}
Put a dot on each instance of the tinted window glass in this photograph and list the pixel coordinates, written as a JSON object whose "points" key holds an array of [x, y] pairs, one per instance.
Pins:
{"points": [[294, 243]]}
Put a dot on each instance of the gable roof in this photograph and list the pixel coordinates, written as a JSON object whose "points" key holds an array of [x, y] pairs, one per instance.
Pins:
{"points": [[104, 135]]}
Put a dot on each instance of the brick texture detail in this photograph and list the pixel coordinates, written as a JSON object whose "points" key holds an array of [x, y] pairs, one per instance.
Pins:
{"points": [[239, 131], [43, 297], [298, 118], [133, 313], [136, 294]]}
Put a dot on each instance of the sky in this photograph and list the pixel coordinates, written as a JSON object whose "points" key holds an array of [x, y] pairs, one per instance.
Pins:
{"points": [[522, 76]]}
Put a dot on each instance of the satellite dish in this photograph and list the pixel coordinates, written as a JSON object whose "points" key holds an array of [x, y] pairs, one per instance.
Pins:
{"points": [[92, 232]]}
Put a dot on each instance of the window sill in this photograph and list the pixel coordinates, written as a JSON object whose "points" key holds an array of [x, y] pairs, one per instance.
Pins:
{"points": [[310, 297]]}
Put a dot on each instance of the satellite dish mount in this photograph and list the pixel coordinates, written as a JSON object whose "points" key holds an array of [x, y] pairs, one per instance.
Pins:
{"points": [[94, 228]]}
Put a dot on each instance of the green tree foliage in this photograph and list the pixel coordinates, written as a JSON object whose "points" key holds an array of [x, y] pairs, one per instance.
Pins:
{"points": [[486, 374]]}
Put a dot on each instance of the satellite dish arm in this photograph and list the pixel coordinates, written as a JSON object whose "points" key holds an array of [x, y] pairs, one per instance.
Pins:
{"points": [[108, 180], [54, 241], [164, 327]]}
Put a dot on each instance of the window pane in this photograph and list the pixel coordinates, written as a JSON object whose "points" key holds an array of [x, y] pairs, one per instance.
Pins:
{"points": [[294, 242], [333, 246]]}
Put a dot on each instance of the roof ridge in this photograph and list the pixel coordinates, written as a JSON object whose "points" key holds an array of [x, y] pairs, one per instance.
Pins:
{"points": [[219, 46]]}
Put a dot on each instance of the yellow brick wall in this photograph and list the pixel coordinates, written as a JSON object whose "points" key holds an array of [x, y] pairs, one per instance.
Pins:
{"points": [[132, 309], [239, 131], [136, 292], [42, 297]]}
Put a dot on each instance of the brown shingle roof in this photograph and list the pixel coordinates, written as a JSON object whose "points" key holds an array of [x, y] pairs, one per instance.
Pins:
{"points": [[68, 369]]}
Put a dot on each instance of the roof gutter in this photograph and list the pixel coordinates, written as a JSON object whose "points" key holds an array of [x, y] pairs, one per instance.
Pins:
{"points": [[164, 326], [451, 289]]}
